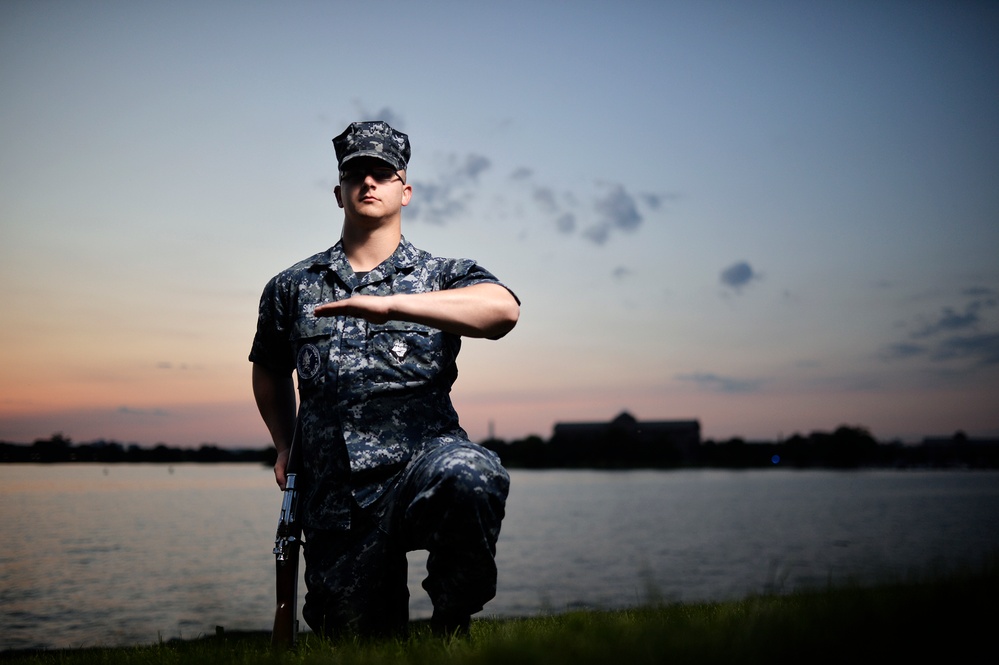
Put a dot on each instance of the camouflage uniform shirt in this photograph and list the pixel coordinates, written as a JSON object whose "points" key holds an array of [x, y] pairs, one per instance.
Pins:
{"points": [[371, 395]]}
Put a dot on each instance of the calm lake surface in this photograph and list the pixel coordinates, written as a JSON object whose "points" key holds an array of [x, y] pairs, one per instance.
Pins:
{"points": [[130, 554]]}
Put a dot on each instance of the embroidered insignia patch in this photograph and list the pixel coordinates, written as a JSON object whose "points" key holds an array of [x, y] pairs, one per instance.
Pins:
{"points": [[399, 349], [308, 362]]}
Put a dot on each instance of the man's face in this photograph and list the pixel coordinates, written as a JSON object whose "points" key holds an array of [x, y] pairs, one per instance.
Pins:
{"points": [[371, 188]]}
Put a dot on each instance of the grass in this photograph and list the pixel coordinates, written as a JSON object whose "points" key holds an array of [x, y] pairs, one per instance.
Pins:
{"points": [[946, 619]]}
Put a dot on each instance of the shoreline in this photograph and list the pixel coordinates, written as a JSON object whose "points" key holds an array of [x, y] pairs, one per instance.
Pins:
{"points": [[956, 602]]}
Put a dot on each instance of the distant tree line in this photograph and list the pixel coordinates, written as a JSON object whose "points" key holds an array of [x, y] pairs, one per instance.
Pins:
{"points": [[844, 448], [60, 449]]}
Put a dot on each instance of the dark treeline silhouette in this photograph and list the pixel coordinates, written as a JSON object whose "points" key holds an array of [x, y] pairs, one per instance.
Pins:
{"points": [[59, 449], [845, 448]]}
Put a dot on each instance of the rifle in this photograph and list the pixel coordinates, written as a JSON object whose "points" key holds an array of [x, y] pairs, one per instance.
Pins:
{"points": [[287, 545]]}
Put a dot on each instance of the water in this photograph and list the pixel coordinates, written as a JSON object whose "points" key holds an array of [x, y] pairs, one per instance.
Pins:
{"points": [[130, 554]]}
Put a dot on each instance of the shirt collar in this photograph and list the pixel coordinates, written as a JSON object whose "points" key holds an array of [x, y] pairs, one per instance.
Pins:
{"points": [[404, 257]]}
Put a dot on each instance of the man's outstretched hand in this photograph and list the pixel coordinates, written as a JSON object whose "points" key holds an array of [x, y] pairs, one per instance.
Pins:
{"points": [[481, 310], [374, 309]]}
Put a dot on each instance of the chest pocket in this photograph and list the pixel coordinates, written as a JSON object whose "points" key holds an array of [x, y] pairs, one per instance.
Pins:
{"points": [[310, 339], [402, 352]]}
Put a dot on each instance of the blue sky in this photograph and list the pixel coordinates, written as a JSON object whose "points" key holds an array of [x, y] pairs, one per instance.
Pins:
{"points": [[774, 217]]}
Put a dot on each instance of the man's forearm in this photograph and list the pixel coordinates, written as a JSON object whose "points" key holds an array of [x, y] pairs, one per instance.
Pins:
{"points": [[275, 397], [482, 310]]}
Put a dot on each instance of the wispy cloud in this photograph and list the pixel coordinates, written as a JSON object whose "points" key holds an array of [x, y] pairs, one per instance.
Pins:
{"points": [[131, 411], [566, 223], [434, 202], [982, 294], [969, 318], [655, 201], [443, 192], [738, 275], [617, 210], [614, 210], [721, 384], [444, 196], [598, 233], [949, 320], [545, 198], [621, 272], [982, 349], [385, 114], [170, 365], [471, 166], [955, 333], [900, 350]]}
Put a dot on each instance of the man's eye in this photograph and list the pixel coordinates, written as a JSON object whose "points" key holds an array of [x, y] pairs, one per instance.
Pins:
{"points": [[381, 175]]}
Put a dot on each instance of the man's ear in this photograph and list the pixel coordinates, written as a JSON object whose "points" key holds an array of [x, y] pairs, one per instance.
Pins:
{"points": [[336, 193], [407, 194]]}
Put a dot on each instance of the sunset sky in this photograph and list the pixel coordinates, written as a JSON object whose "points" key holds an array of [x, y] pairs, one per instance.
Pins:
{"points": [[773, 217]]}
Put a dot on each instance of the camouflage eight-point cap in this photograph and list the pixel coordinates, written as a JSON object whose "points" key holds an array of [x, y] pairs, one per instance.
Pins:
{"points": [[372, 139]]}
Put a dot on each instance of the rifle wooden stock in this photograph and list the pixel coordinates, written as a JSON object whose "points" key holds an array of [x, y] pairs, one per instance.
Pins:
{"points": [[287, 548], [285, 629]]}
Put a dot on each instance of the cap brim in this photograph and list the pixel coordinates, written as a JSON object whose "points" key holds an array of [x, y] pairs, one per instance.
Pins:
{"points": [[380, 156]]}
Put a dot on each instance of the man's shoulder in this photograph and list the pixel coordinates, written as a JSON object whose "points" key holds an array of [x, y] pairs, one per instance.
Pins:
{"points": [[311, 264], [409, 254]]}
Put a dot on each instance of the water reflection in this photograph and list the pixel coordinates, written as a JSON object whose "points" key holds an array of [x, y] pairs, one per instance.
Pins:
{"points": [[130, 554]]}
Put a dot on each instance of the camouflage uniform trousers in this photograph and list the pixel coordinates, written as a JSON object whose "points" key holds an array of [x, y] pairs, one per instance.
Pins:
{"points": [[449, 501]]}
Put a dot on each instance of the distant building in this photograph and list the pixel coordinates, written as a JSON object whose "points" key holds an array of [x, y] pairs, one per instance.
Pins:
{"points": [[961, 450], [626, 442]]}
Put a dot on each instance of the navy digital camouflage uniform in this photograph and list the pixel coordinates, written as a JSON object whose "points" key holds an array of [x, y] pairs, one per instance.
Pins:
{"points": [[386, 468]]}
